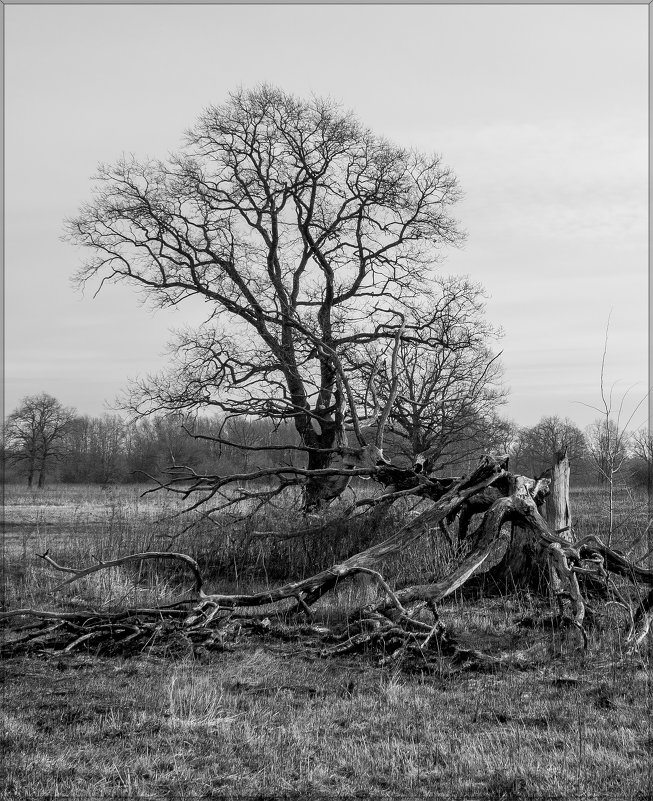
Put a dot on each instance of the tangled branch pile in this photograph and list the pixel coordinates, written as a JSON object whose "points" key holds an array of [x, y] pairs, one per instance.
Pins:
{"points": [[404, 626]]}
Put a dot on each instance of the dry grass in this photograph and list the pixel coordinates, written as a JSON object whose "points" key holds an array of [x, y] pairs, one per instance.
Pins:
{"points": [[632, 511], [268, 720], [259, 722]]}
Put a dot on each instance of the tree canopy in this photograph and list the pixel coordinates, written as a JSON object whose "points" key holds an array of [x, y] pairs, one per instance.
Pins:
{"points": [[308, 236]]}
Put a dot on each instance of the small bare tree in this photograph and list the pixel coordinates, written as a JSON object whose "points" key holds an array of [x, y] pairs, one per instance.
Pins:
{"points": [[608, 436]]}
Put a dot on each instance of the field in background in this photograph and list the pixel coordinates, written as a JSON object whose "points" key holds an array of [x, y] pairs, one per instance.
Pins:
{"points": [[270, 720]]}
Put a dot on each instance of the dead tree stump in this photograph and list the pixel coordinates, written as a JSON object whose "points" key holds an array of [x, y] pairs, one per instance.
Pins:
{"points": [[525, 564], [556, 506]]}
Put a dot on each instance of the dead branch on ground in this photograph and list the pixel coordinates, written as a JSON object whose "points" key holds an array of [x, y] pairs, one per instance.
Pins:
{"points": [[404, 626]]}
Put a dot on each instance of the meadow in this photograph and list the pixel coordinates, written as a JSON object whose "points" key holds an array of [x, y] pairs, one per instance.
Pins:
{"points": [[270, 718]]}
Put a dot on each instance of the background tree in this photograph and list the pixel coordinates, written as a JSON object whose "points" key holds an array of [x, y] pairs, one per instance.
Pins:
{"points": [[537, 446], [447, 394], [110, 436], [157, 442], [247, 437], [34, 433], [22, 440], [110, 449], [252, 443], [95, 450], [305, 233]]}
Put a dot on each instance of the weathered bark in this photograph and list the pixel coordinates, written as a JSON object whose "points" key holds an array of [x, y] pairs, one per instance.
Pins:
{"points": [[320, 490], [526, 562], [134, 557], [556, 505], [558, 516], [491, 528], [477, 504]]}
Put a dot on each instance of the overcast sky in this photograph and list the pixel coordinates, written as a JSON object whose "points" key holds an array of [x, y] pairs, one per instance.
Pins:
{"points": [[541, 111]]}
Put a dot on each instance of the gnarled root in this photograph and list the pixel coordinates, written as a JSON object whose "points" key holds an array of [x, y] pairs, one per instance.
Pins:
{"points": [[393, 627]]}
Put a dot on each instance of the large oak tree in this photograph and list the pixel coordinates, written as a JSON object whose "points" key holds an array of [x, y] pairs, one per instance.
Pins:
{"points": [[307, 235]]}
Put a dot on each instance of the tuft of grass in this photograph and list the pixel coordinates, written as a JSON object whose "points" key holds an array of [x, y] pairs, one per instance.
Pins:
{"points": [[195, 701]]}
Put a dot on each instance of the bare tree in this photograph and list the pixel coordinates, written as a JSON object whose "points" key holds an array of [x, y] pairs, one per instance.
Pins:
{"points": [[95, 449], [34, 432], [608, 447], [305, 233], [608, 437], [313, 242], [642, 445], [109, 440], [447, 394], [539, 445]]}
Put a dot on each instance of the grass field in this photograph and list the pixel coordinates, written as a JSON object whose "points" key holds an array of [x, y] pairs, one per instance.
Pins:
{"points": [[271, 719]]}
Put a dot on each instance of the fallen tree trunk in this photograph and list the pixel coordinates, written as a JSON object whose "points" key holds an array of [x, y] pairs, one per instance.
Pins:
{"points": [[395, 626], [309, 590]]}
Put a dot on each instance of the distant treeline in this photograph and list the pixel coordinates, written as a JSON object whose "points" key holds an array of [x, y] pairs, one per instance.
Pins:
{"points": [[111, 450], [108, 449]]}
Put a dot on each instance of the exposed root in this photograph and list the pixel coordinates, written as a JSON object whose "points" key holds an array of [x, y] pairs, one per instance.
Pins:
{"points": [[392, 628]]}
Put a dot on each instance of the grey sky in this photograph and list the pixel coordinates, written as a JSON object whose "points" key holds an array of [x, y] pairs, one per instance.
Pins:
{"points": [[540, 110]]}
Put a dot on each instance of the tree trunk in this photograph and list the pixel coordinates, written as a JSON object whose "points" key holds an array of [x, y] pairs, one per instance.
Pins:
{"points": [[523, 566], [525, 562], [556, 506], [557, 514], [320, 490], [44, 456], [31, 469], [42, 468]]}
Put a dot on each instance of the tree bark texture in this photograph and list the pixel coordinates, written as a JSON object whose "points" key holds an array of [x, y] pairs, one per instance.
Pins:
{"points": [[524, 564], [557, 507]]}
